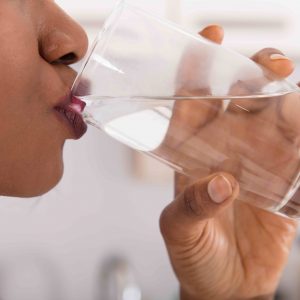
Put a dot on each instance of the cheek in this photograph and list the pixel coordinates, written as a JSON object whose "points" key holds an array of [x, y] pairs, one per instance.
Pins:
{"points": [[17, 102], [19, 51], [31, 140], [31, 144]]}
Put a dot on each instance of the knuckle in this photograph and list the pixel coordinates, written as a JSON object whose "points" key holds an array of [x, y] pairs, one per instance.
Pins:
{"points": [[271, 50], [164, 221], [196, 201]]}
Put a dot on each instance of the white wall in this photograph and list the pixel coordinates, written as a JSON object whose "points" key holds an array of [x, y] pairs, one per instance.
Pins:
{"points": [[53, 247]]}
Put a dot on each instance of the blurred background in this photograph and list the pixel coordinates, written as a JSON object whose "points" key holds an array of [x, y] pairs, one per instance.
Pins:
{"points": [[96, 234]]}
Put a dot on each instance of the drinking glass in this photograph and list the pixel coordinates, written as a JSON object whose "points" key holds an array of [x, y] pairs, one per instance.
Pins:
{"points": [[194, 105]]}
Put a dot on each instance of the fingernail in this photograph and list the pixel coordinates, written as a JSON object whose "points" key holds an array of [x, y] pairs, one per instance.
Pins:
{"points": [[277, 56], [219, 189]]}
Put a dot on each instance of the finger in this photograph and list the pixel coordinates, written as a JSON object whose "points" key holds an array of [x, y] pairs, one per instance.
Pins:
{"points": [[193, 81], [190, 115], [196, 62], [289, 122], [181, 182], [187, 215], [214, 33], [275, 61], [190, 111], [291, 209], [271, 59], [288, 106]]}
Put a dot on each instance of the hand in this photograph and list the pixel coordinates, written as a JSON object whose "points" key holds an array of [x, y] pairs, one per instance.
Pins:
{"points": [[221, 249]]}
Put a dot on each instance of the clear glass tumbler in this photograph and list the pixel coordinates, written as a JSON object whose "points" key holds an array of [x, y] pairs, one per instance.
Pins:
{"points": [[194, 105]]}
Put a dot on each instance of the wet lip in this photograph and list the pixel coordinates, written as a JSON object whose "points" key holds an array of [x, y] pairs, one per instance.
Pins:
{"points": [[77, 104], [71, 113]]}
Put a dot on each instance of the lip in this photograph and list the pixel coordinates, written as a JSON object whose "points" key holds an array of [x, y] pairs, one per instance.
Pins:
{"points": [[70, 112]]}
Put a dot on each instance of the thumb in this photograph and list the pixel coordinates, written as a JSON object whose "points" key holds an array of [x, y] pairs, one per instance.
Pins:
{"points": [[188, 214]]}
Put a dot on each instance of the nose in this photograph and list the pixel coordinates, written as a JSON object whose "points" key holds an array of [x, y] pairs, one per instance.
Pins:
{"points": [[62, 41]]}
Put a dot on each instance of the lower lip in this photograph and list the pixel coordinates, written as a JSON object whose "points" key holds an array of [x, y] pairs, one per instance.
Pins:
{"points": [[74, 120]]}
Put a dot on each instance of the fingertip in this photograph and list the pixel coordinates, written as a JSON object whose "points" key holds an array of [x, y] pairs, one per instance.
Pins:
{"points": [[222, 187], [219, 189], [278, 57], [196, 204], [281, 66], [214, 33], [275, 61], [209, 196]]}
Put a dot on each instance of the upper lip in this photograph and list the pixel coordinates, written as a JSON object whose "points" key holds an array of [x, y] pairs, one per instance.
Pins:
{"points": [[65, 99], [71, 108], [68, 101]]}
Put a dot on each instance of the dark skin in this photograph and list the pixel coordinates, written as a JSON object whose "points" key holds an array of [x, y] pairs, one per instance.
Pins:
{"points": [[38, 42], [229, 250], [215, 253]]}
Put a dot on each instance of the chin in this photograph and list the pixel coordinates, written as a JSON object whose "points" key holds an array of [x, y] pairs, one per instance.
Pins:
{"points": [[34, 184], [44, 183], [42, 189]]}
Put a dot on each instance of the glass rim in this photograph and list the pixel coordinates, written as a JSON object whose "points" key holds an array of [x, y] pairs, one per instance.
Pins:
{"points": [[112, 21]]}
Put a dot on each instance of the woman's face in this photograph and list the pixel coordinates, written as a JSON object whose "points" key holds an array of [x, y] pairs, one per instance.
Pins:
{"points": [[38, 42]]}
